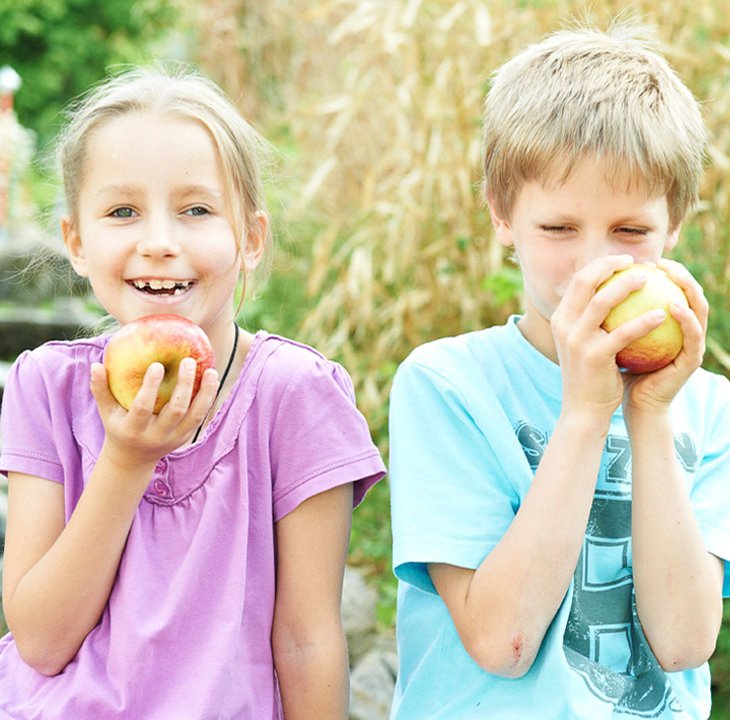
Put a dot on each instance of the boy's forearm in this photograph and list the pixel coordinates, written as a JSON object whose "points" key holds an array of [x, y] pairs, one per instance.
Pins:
{"points": [[677, 583], [513, 596]]}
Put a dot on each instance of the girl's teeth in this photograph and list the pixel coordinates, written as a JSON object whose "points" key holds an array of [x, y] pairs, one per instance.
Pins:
{"points": [[176, 287]]}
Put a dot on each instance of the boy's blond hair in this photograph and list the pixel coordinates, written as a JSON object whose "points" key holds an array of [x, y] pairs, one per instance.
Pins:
{"points": [[586, 92]]}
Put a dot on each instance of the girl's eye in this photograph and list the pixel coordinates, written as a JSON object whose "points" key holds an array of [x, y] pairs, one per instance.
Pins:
{"points": [[197, 211], [122, 212]]}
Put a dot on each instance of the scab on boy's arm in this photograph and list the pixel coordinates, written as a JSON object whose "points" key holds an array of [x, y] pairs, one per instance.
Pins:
{"points": [[503, 608], [308, 639]]}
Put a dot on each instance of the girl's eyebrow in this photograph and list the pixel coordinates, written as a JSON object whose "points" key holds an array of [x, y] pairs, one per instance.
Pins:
{"points": [[187, 190], [116, 190]]}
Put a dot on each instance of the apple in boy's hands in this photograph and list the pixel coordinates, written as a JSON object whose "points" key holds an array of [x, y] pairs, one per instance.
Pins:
{"points": [[659, 347], [166, 339]]}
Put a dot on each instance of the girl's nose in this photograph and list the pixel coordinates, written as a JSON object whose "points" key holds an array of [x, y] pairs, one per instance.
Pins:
{"points": [[158, 240]]}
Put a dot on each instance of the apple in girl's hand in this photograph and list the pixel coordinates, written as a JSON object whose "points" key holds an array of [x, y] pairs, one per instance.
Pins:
{"points": [[659, 347], [165, 339]]}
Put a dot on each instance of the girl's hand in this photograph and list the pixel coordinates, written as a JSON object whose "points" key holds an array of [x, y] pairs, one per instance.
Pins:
{"points": [[655, 391], [138, 436], [592, 382]]}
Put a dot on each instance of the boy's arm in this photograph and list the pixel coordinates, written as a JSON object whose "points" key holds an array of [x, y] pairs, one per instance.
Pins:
{"points": [[503, 608], [308, 639], [678, 584]]}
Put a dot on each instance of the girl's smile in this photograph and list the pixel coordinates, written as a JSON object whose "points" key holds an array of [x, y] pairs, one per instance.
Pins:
{"points": [[153, 231]]}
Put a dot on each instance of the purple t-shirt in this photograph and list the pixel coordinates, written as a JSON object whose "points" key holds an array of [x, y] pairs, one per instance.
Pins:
{"points": [[187, 629]]}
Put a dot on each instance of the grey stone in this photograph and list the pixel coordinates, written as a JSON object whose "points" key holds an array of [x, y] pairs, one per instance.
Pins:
{"points": [[359, 601]]}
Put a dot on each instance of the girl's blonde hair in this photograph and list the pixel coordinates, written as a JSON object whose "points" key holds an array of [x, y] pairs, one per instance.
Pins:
{"points": [[583, 92], [181, 91]]}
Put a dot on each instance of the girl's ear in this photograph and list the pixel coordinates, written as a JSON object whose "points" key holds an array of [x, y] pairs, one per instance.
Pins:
{"points": [[72, 241], [255, 241], [502, 227]]}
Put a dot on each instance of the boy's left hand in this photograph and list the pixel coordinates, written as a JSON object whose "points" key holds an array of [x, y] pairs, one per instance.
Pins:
{"points": [[656, 390]]}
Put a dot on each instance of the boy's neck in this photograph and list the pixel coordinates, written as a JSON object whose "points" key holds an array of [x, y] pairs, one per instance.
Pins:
{"points": [[536, 330]]}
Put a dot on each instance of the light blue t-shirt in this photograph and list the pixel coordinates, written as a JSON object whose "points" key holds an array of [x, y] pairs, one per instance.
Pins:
{"points": [[470, 418]]}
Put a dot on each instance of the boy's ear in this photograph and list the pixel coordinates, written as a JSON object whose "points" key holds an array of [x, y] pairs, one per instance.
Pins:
{"points": [[672, 238], [255, 241], [502, 227], [72, 241]]}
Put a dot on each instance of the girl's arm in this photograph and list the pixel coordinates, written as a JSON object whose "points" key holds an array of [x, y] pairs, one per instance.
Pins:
{"points": [[58, 576], [308, 640], [678, 584]]}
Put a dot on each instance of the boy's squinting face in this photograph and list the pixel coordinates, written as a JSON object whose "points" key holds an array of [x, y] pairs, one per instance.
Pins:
{"points": [[153, 233], [557, 228]]}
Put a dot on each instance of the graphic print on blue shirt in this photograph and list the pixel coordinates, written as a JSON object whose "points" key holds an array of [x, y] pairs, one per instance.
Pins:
{"points": [[603, 639]]}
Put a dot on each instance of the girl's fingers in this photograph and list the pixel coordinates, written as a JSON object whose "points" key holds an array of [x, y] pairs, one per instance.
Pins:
{"points": [[182, 393], [100, 388], [183, 407], [144, 402]]}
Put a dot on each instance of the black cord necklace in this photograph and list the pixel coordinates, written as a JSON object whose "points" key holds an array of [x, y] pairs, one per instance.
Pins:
{"points": [[223, 377]]}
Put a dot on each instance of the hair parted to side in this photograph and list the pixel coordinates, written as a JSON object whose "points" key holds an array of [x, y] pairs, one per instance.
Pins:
{"points": [[184, 92], [584, 92]]}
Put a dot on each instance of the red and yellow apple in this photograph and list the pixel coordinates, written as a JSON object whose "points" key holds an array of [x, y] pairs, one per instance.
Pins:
{"points": [[660, 346], [165, 339]]}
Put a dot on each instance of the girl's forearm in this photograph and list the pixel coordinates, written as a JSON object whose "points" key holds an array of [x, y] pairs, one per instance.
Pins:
{"points": [[677, 583], [314, 677], [60, 599]]}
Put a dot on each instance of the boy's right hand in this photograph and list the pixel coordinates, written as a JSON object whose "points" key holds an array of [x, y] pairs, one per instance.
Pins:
{"points": [[592, 382], [137, 436]]}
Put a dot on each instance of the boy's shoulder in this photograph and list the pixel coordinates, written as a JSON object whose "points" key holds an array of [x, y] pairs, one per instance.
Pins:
{"points": [[456, 355], [709, 391]]}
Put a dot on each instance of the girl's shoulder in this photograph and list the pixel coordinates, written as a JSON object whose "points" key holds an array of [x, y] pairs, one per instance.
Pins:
{"points": [[55, 351], [285, 362], [59, 358]]}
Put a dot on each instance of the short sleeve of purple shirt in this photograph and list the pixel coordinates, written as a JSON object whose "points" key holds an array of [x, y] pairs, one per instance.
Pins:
{"points": [[187, 628]]}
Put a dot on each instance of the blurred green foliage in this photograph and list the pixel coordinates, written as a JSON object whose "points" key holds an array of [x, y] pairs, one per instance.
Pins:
{"points": [[61, 47]]}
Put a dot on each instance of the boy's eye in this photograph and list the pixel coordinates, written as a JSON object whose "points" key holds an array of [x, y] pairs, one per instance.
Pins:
{"points": [[632, 231], [554, 228]]}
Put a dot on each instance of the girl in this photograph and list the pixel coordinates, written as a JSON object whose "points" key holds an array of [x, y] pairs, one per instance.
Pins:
{"points": [[184, 565]]}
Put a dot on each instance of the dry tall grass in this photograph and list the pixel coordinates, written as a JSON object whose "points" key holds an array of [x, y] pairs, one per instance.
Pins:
{"points": [[382, 101], [377, 105]]}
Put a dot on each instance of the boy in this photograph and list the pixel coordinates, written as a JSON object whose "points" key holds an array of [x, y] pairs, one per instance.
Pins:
{"points": [[561, 528]]}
